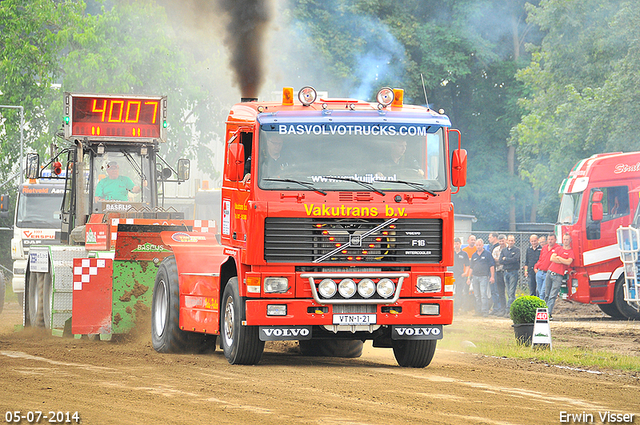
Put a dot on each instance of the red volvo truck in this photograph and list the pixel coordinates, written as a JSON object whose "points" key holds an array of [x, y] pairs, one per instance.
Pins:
{"points": [[599, 195], [336, 228]]}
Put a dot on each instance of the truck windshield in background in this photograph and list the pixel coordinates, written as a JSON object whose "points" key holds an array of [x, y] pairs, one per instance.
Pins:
{"points": [[321, 154], [569, 208], [39, 207], [121, 176]]}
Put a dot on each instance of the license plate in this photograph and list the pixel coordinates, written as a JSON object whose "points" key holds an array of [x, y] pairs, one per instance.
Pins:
{"points": [[354, 319]]}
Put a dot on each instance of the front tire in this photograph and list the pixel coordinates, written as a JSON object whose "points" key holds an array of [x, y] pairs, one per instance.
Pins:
{"points": [[414, 353], [241, 344], [166, 335], [611, 310], [622, 306]]}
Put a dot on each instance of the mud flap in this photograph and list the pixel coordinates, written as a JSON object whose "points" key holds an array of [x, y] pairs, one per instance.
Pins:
{"points": [[416, 332], [284, 333]]}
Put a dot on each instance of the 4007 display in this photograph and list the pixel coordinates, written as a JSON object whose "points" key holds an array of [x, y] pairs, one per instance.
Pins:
{"points": [[132, 116]]}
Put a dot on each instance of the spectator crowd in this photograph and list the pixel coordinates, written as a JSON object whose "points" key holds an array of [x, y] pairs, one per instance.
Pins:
{"points": [[486, 275]]}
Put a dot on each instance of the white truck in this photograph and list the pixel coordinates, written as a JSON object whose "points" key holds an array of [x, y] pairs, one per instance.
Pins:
{"points": [[37, 222]]}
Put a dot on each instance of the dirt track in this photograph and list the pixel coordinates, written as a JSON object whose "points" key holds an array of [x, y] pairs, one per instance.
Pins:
{"points": [[129, 383]]}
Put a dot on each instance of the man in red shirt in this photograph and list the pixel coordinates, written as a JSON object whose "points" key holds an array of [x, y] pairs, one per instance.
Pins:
{"points": [[542, 266], [561, 259]]}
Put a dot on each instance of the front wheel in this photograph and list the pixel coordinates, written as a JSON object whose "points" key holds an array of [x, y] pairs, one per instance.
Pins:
{"points": [[241, 344], [414, 353], [624, 307], [611, 310]]}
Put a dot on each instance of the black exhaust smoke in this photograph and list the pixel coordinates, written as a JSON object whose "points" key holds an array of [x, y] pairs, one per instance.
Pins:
{"points": [[246, 28]]}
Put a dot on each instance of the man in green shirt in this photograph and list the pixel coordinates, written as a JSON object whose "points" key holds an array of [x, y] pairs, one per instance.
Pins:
{"points": [[115, 187]]}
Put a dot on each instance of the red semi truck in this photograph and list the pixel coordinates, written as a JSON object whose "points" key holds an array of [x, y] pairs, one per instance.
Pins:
{"points": [[599, 195], [336, 228]]}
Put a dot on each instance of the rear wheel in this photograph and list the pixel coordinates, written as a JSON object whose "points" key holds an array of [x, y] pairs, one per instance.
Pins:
{"points": [[47, 297], [241, 344], [35, 300], [414, 353], [166, 335], [622, 306], [331, 348], [2, 290]]}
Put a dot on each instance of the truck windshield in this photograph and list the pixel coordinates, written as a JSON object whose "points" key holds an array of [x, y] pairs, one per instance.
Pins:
{"points": [[569, 208], [328, 157], [39, 210]]}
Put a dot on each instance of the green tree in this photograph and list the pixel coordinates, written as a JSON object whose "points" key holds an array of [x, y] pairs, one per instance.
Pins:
{"points": [[120, 52], [585, 65], [33, 34]]}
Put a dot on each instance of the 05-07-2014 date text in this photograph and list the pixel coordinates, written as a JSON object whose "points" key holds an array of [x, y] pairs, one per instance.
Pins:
{"points": [[34, 417]]}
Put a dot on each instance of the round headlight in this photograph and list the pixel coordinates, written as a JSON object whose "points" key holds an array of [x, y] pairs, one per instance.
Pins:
{"points": [[366, 288], [385, 96], [347, 288], [307, 95], [327, 288], [386, 288]]}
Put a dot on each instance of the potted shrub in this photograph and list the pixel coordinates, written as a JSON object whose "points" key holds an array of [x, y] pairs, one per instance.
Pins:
{"points": [[523, 314]]}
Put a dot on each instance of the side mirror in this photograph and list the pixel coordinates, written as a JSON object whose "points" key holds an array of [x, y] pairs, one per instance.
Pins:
{"points": [[184, 169], [596, 211], [32, 170], [4, 203], [234, 169], [597, 196], [596, 205], [459, 168]]}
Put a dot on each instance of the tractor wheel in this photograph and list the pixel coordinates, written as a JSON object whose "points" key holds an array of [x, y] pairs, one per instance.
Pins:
{"points": [[166, 335], [47, 298], [414, 353], [622, 306], [241, 344], [2, 289], [35, 300], [331, 348]]}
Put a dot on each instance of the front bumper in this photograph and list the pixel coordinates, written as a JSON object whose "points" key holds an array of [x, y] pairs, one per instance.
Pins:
{"points": [[305, 312]]}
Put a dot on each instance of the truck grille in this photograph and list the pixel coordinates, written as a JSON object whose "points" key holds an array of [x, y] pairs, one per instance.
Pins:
{"points": [[308, 240]]}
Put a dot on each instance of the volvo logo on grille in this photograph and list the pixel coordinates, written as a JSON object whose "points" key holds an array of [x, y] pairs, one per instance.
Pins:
{"points": [[355, 240]]}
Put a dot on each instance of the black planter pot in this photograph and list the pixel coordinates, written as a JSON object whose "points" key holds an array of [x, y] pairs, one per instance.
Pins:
{"points": [[524, 333]]}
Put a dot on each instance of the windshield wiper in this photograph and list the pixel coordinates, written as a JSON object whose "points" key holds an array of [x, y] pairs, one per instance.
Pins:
{"points": [[361, 183], [412, 184], [301, 183]]}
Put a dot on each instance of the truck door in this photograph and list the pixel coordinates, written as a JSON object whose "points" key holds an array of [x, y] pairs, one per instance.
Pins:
{"points": [[235, 196]]}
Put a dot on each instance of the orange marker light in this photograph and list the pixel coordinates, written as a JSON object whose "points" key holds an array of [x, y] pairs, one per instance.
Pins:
{"points": [[287, 96], [398, 97]]}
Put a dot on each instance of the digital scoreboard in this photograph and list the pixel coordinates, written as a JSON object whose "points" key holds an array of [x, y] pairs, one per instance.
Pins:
{"points": [[107, 117]]}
